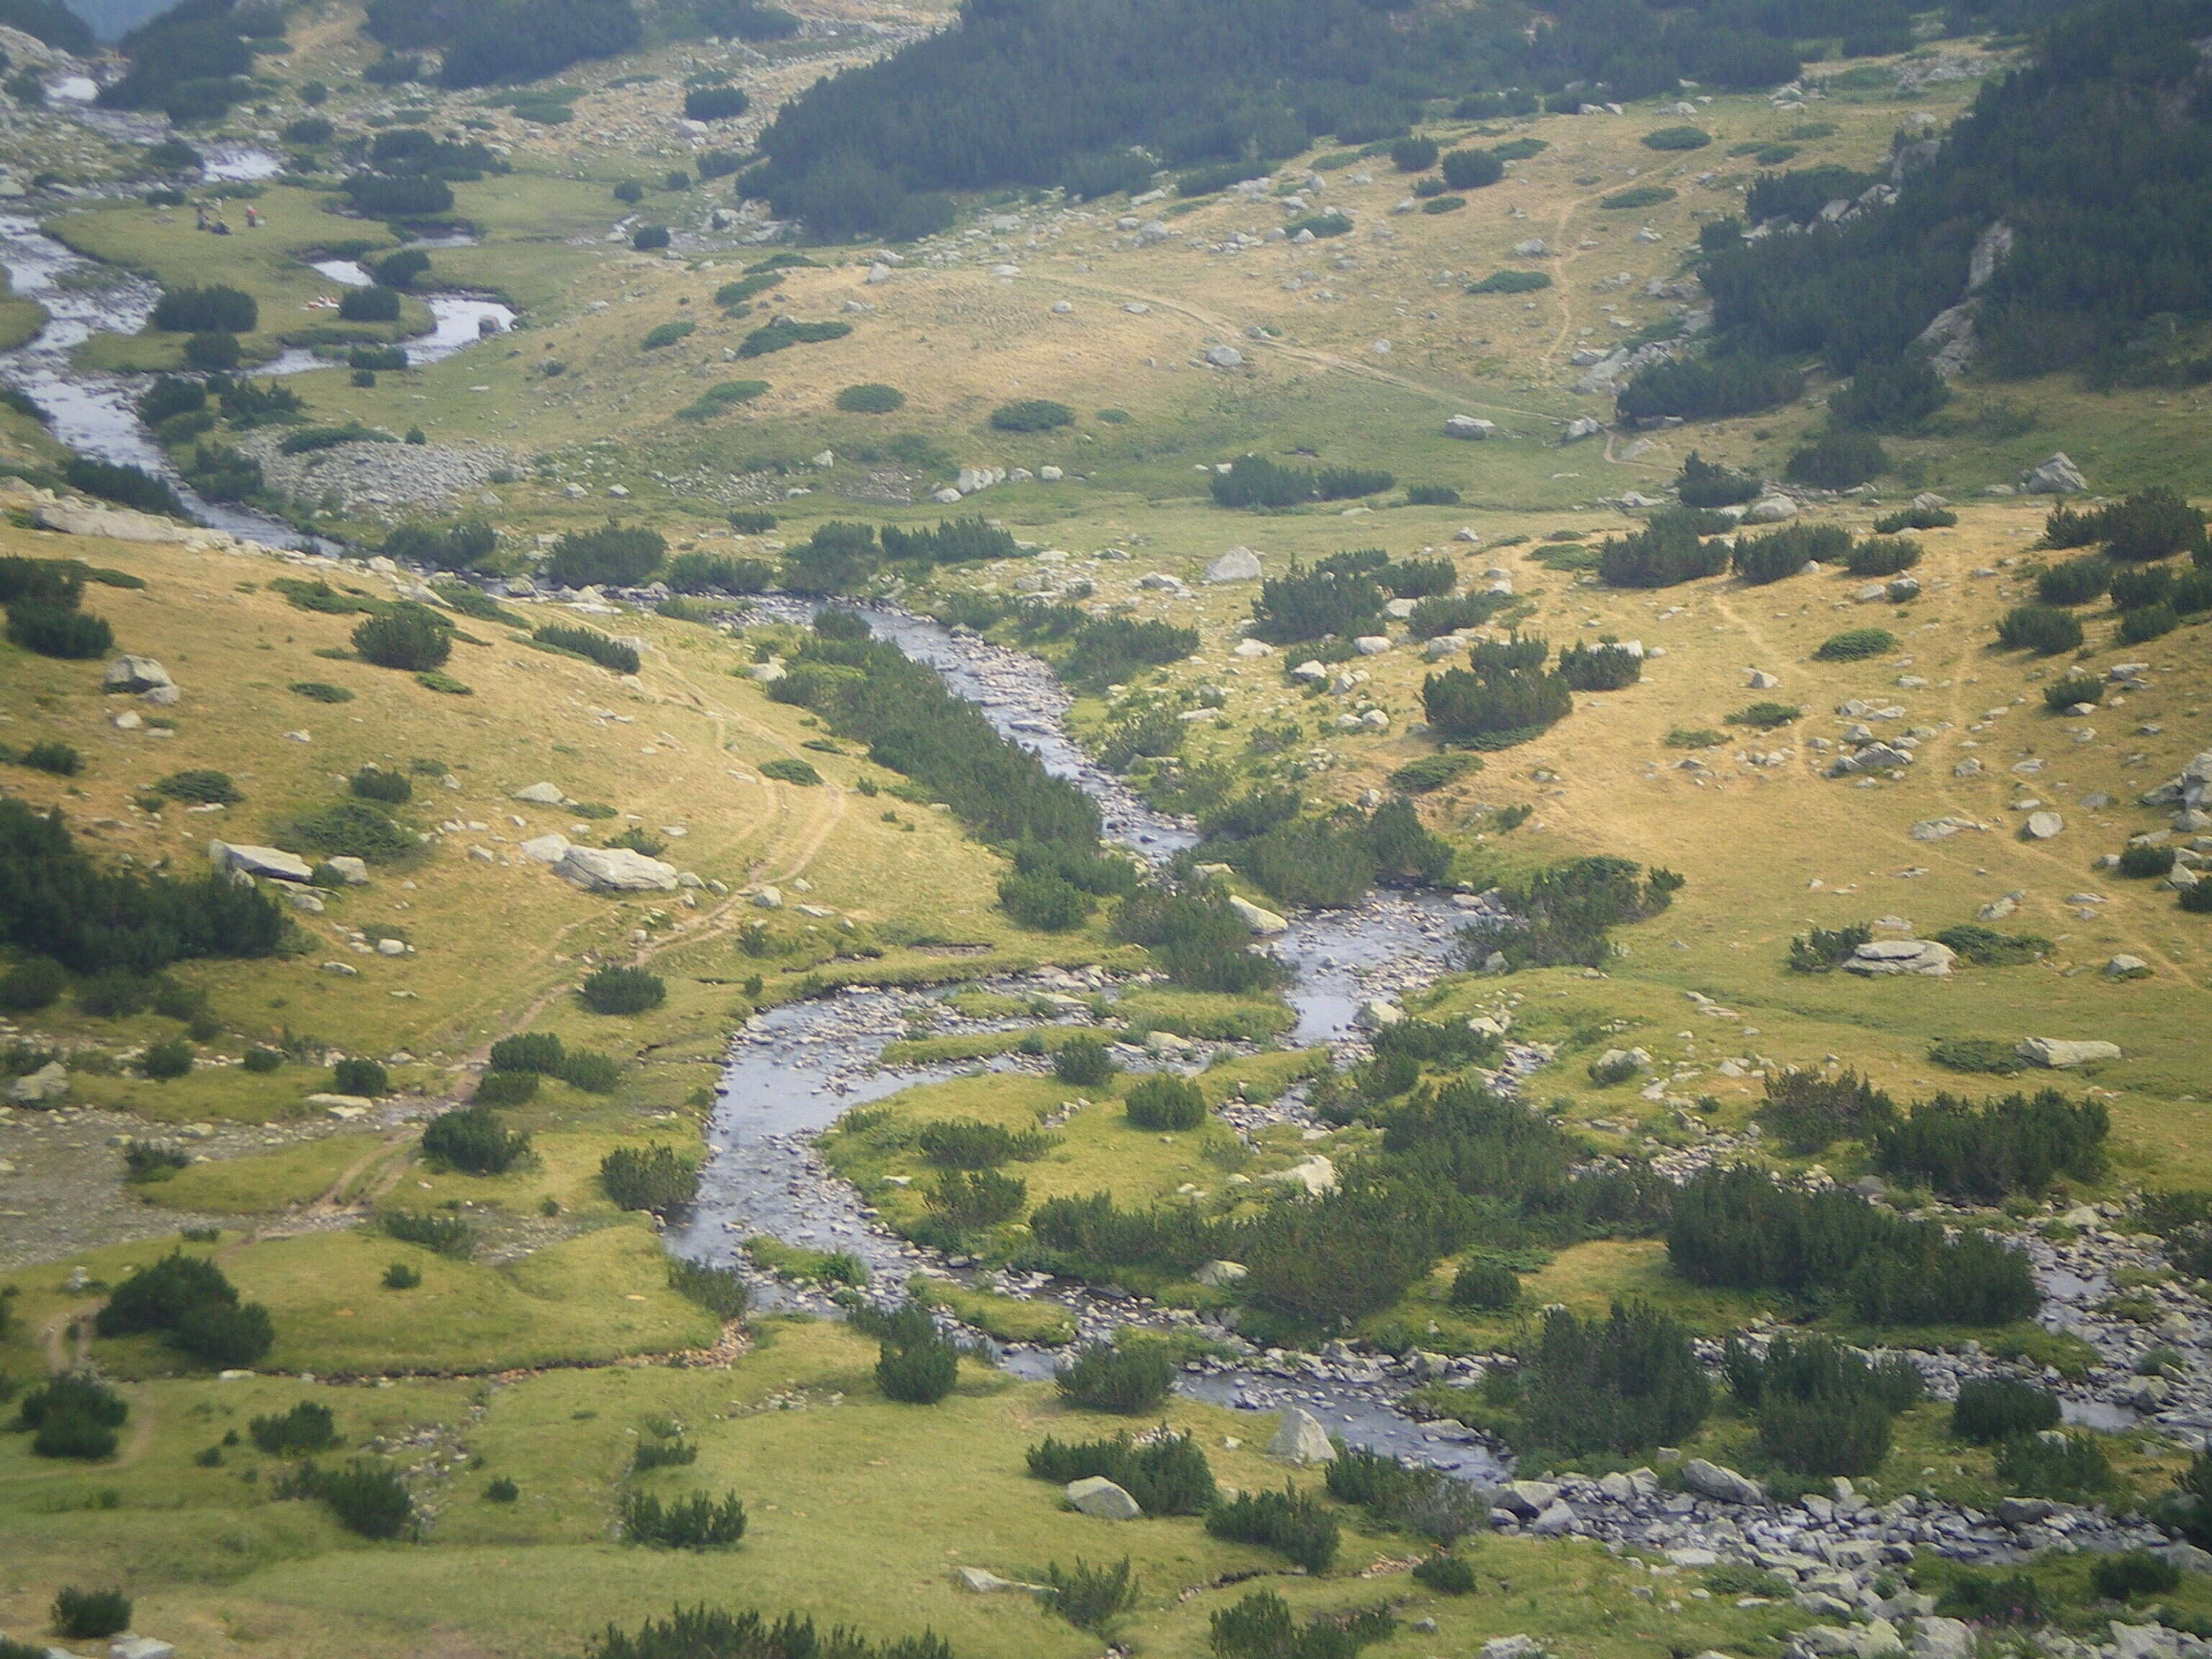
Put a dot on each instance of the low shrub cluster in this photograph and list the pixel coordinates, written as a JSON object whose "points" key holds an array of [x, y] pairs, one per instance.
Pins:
{"points": [[1992, 1409], [475, 1139], [1291, 1522], [1810, 1111], [1408, 1496], [1504, 697], [1784, 552], [72, 1415], [2151, 524], [1706, 484], [1738, 1227], [616, 555], [87, 1616], [1562, 914], [1670, 549], [366, 1497], [610, 654], [1130, 1379], [1165, 1102], [2018, 1144], [704, 1633], [697, 1522], [1165, 1472], [613, 990], [1622, 1384], [307, 1427], [965, 1144], [650, 1178], [1821, 1409], [1262, 1626], [916, 1364], [195, 1306], [42, 598]]}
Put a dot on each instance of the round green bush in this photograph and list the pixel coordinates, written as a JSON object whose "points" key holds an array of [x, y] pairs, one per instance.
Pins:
{"points": [[164, 1060], [1486, 1287], [1447, 1575], [83, 1615], [1128, 1380], [31, 986], [412, 637], [228, 1337], [1855, 645], [474, 1140], [373, 783], [2147, 622], [1837, 460], [2197, 900], [505, 1088], [399, 1276], [1413, 154], [2042, 629], [622, 991], [1682, 137], [70, 1434], [2130, 1574], [870, 399], [1082, 1060], [2073, 690], [53, 631], [650, 238], [1826, 1435], [2142, 863], [1031, 415], [357, 1075], [262, 1061], [1472, 169], [918, 1373], [1995, 1408], [1165, 1102]]}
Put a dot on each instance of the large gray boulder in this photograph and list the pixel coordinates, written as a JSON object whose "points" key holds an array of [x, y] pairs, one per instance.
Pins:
{"points": [[1258, 920], [42, 1087], [1238, 564], [1881, 956], [1300, 1439], [2056, 477], [135, 674], [269, 861], [542, 795], [139, 1647], [1468, 426], [1723, 1486], [1102, 1500], [616, 869], [2060, 1054]]}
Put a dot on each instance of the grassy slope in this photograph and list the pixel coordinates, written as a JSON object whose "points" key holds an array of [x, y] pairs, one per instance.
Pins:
{"points": [[494, 941], [867, 1536]]}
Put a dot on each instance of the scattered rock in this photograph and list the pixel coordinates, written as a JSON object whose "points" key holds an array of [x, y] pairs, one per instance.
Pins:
{"points": [[1468, 427], [1902, 956], [49, 1084], [615, 870], [2041, 826], [1263, 922], [1100, 1499], [1300, 1439], [2056, 477], [1238, 564], [267, 861], [2061, 1054], [136, 674], [1709, 1479]]}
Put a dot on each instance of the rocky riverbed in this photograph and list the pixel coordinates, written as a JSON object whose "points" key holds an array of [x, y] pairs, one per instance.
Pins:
{"points": [[793, 1073]]}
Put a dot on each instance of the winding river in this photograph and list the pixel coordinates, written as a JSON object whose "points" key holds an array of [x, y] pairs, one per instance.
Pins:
{"points": [[96, 413], [793, 1071]]}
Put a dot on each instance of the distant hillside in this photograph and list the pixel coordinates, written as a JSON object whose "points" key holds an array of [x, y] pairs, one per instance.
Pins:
{"points": [[1020, 92], [2075, 199], [111, 20]]}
